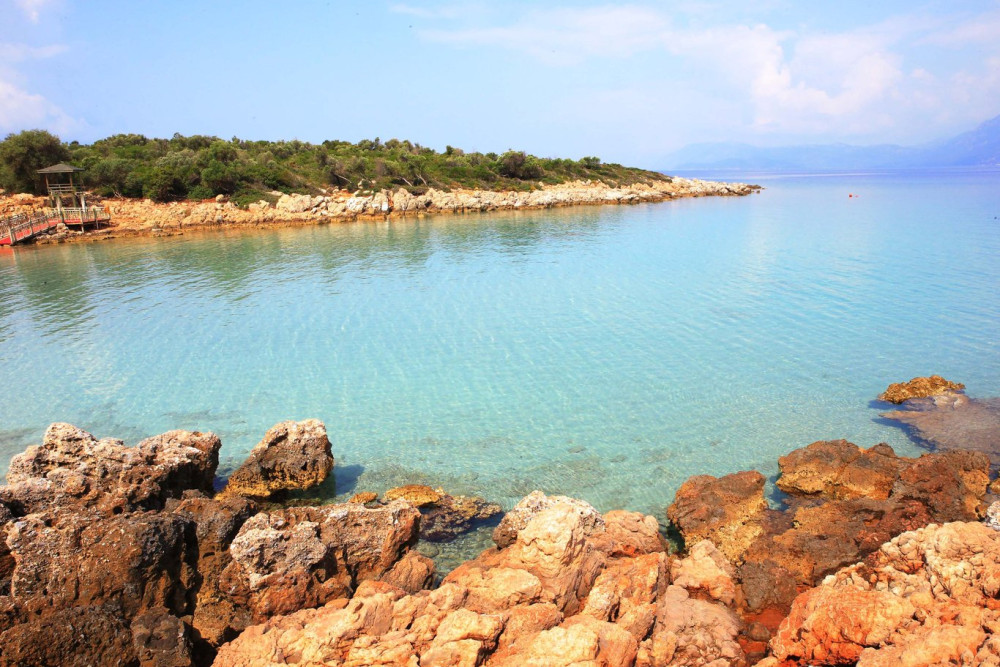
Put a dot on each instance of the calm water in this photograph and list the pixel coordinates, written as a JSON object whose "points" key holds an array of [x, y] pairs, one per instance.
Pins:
{"points": [[608, 353]]}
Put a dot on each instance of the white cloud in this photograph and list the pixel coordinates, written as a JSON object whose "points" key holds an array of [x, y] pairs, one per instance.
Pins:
{"points": [[865, 83], [21, 110], [32, 8], [567, 36], [15, 53]]}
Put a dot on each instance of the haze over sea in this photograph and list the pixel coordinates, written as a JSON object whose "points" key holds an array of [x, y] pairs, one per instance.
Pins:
{"points": [[607, 353]]}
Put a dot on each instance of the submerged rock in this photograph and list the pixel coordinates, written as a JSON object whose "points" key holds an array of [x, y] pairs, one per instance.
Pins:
{"points": [[919, 387], [292, 455], [953, 421]]}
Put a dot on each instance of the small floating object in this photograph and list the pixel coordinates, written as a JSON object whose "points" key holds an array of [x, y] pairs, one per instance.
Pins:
{"points": [[850, 195]]}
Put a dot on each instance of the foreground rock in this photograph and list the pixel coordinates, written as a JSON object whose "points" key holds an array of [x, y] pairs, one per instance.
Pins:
{"points": [[302, 557], [845, 502], [926, 597], [73, 468], [115, 555], [560, 593], [292, 456], [920, 387]]}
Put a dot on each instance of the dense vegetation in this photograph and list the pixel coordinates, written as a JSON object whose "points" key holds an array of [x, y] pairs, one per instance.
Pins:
{"points": [[200, 167]]}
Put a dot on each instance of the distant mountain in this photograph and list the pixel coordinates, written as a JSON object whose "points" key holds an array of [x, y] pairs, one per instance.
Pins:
{"points": [[977, 148]]}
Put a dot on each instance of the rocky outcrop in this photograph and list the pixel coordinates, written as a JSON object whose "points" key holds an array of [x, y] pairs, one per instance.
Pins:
{"points": [[926, 597], [844, 503], [73, 468], [555, 595], [292, 455], [728, 511], [920, 387], [118, 555], [131, 216], [301, 557]]}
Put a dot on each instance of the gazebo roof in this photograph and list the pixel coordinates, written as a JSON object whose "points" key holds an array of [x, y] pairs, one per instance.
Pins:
{"points": [[61, 168]]}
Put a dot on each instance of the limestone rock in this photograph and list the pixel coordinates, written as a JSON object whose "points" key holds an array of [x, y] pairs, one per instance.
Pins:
{"points": [[160, 639], [71, 637], [217, 521], [505, 534], [72, 467], [303, 557], [925, 597], [839, 469], [919, 387], [993, 516], [692, 632], [705, 569], [726, 510], [135, 561], [363, 498], [292, 455], [417, 495]]}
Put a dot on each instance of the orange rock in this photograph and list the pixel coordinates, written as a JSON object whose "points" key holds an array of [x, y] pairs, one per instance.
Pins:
{"points": [[363, 498], [919, 387], [415, 494], [726, 510]]}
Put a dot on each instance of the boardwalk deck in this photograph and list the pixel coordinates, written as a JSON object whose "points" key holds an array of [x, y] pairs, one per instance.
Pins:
{"points": [[20, 228]]}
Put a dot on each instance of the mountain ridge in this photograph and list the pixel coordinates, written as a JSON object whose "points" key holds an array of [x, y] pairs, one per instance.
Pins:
{"points": [[979, 147]]}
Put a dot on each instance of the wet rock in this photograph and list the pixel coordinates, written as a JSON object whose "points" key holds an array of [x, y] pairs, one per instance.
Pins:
{"points": [[919, 387], [72, 467], [303, 557], [726, 510], [417, 495], [292, 455], [926, 597], [363, 498], [450, 516], [517, 518]]}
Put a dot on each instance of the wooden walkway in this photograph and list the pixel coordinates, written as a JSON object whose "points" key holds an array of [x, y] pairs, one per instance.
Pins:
{"points": [[19, 228]]}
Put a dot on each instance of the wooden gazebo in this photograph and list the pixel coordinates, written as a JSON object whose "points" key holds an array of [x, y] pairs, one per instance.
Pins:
{"points": [[58, 188]]}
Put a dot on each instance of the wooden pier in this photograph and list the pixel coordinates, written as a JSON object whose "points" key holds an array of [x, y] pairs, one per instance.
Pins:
{"points": [[26, 226], [23, 227]]}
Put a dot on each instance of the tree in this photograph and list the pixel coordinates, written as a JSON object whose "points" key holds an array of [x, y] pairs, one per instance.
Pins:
{"points": [[23, 154]]}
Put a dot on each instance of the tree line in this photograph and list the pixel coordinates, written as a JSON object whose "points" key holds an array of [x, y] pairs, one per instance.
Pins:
{"points": [[200, 167]]}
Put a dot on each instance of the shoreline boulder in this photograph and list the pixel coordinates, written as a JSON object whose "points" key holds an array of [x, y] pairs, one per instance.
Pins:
{"points": [[291, 456]]}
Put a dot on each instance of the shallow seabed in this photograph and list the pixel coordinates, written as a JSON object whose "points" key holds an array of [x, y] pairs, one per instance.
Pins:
{"points": [[604, 352]]}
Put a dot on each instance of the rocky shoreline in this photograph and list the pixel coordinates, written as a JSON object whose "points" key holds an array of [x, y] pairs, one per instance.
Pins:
{"points": [[144, 217], [115, 555]]}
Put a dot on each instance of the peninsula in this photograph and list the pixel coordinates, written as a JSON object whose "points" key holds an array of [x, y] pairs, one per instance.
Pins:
{"points": [[163, 186]]}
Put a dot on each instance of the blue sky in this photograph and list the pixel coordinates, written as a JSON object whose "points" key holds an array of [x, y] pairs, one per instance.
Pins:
{"points": [[629, 82]]}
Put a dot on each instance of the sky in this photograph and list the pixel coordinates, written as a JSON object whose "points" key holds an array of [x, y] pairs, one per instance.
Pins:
{"points": [[628, 82]]}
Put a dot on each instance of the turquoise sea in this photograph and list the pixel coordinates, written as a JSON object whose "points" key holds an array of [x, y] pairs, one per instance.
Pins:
{"points": [[603, 352]]}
